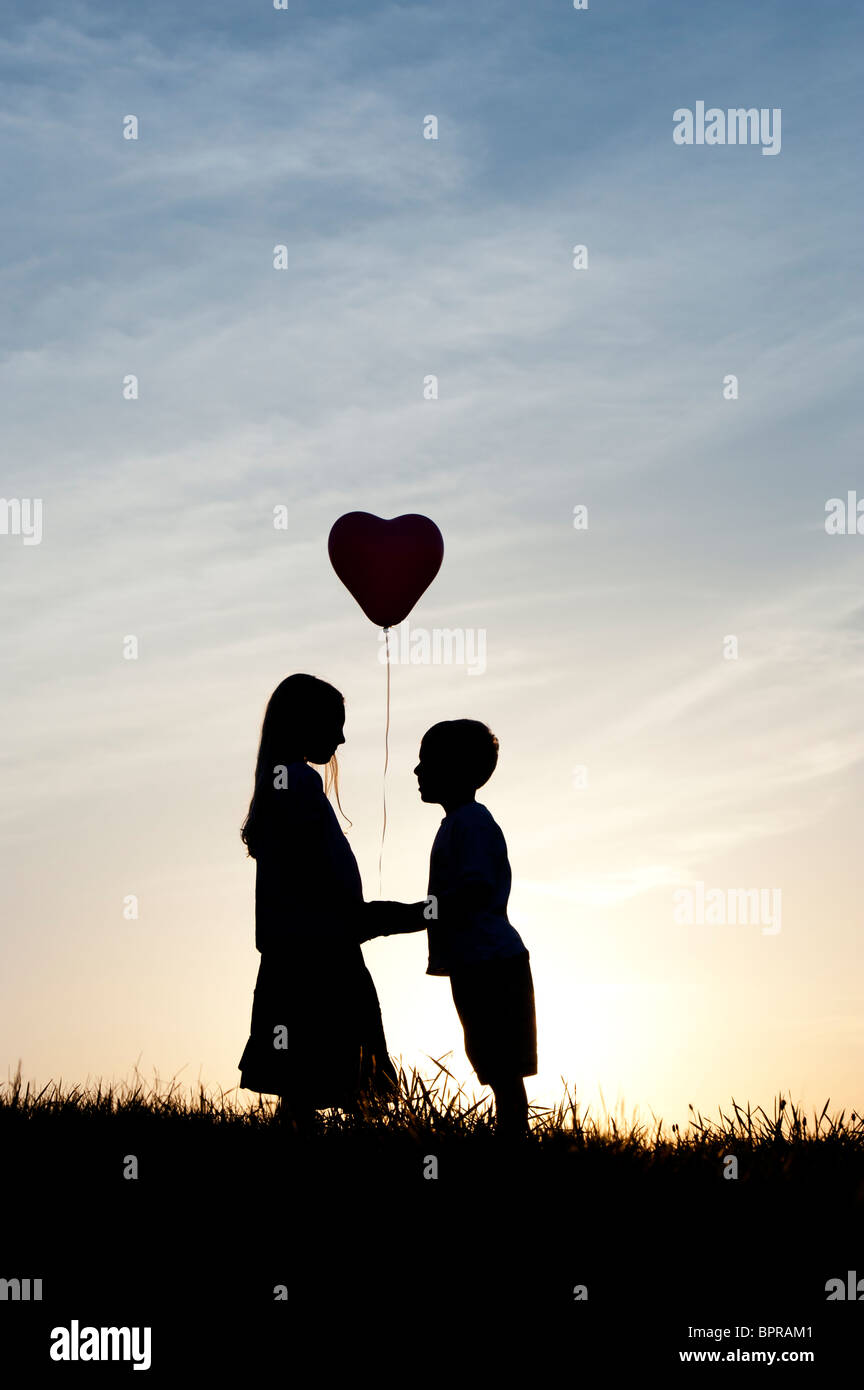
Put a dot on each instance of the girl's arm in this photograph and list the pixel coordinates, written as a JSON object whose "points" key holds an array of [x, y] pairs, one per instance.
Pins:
{"points": [[392, 919]]}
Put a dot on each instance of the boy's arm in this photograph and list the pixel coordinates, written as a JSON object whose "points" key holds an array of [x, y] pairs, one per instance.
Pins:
{"points": [[457, 907], [391, 919], [473, 878]]}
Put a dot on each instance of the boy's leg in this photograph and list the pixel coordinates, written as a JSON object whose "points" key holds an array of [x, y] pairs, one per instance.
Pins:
{"points": [[511, 1107], [485, 1005]]}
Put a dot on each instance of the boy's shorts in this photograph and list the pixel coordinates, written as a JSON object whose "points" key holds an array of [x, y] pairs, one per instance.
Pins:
{"points": [[495, 1004]]}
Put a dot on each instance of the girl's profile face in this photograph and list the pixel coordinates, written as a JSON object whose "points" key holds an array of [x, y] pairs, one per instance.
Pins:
{"points": [[325, 737]]}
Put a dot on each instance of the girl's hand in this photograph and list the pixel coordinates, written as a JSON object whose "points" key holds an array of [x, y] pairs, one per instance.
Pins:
{"points": [[390, 919]]}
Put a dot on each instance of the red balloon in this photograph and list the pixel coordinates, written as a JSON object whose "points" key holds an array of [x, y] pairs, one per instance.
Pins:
{"points": [[386, 565]]}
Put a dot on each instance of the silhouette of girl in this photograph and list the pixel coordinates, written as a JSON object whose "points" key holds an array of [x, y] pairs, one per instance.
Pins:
{"points": [[316, 1036]]}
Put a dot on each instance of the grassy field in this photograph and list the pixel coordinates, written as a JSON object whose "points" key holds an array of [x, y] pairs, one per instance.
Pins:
{"points": [[398, 1210], [782, 1144]]}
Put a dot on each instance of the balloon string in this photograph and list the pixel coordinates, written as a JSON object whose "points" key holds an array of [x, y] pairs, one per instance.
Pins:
{"points": [[386, 755]]}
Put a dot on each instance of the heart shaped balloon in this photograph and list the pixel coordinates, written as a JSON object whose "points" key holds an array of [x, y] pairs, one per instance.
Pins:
{"points": [[386, 565]]}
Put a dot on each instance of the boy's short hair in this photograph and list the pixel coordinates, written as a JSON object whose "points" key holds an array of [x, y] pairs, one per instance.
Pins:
{"points": [[469, 742]]}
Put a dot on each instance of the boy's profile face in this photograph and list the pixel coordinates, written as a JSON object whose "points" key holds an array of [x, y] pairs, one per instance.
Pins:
{"points": [[425, 772], [437, 772]]}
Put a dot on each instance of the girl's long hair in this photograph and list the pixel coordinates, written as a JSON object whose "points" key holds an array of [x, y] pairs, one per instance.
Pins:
{"points": [[297, 704]]}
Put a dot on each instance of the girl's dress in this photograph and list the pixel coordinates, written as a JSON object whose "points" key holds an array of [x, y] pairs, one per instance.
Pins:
{"points": [[316, 1035]]}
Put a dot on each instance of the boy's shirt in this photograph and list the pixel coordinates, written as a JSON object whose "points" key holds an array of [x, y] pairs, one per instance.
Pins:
{"points": [[470, 849]]}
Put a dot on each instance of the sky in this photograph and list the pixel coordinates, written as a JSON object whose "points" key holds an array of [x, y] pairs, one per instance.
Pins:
{"points": [[676, 686]]}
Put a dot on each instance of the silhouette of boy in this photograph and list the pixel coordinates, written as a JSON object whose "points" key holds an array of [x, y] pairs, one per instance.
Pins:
{"points": [[471, 938]]}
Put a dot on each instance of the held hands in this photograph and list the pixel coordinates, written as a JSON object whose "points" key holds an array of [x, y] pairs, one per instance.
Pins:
{"points": [[458, 909], [391, 919]]}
